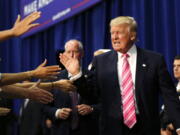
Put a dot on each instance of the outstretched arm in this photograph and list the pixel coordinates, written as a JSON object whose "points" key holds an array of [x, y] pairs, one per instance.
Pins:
{"points": [[4, 111], [33, 93], [41, 72], [64, 85], [20, 26]]}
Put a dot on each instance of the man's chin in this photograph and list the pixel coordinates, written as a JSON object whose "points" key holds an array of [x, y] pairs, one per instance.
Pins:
{"points": [[118, 49]]}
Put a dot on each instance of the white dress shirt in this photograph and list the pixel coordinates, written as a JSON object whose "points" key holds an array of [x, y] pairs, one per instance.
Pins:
{"points": [[24, 105], [132, 59], [178, 86]]}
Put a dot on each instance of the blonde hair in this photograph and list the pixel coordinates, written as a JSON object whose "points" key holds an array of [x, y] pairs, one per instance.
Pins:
{"points": [[100, 51], [125, 20]]}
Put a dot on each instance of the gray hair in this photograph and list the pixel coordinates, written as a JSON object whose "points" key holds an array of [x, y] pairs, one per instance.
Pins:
{"points": [[125, 20], [79, 44]]}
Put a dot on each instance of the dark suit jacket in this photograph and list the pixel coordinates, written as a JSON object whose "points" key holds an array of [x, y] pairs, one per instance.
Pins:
{"points": [[165, 119], [151, 79], [31, 119], [7, 121], [87, 124]]}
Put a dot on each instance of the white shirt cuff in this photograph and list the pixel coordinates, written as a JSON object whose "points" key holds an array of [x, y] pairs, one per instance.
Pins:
{"points": [[178, 129], [57, 112], [73, 78]]}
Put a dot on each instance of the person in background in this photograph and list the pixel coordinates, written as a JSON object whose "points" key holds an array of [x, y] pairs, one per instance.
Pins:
{"points": [[31, 118], [167, 127], [176, 70], [7, 120], [70, 113], [96, 53]]}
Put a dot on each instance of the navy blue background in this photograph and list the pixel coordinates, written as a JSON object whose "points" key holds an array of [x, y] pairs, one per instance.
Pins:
{"points": [[55, 7]]}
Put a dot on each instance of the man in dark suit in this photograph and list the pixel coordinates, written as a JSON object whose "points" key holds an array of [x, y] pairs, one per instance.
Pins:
{"points": [[176, 70], [167, 127], [7, 121], [128, 81], [31, 118], [70, 114]]}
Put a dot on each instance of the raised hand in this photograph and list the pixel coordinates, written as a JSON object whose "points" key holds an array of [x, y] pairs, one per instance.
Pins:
{"points": [[64, 113], [39, 95], [22, 26], [84, 109], [64, 85], [71, 64], [43, 72]]}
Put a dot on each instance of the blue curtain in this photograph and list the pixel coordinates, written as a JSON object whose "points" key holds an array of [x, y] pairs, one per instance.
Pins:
{"points": [[157, 21], [158, 30]]}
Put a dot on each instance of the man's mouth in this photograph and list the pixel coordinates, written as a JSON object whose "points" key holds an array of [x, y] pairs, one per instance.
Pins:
{"points": [[116, 43]]}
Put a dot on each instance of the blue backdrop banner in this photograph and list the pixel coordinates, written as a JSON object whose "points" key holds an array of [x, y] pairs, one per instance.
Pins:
{"points": [[53, 11]]}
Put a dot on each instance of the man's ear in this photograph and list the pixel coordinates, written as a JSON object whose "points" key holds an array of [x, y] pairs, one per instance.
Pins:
{"points": [[133, 36]]}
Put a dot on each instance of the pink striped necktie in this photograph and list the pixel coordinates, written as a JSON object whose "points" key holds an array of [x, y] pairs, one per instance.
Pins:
{"points": [[128, 103]]}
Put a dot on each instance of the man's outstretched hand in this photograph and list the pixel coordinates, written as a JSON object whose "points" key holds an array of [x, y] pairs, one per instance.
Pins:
{"points": [[71, 64], [42, 72], [24, 25], [39, 95], [4, 111], [64, 85]]}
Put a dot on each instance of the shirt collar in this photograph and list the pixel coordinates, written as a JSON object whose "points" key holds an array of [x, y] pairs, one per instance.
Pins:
{"points": [[131, 51], [178, 84]]}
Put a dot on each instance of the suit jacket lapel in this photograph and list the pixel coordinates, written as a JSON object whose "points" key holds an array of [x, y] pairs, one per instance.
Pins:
{"points": [[141, 68], [113, 63]]}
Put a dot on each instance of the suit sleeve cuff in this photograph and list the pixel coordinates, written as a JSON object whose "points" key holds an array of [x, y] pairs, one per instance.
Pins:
{"points": [[74, 78]]}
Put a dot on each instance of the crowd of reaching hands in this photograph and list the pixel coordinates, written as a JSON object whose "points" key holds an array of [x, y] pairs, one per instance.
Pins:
{"points": [[39, 91]]}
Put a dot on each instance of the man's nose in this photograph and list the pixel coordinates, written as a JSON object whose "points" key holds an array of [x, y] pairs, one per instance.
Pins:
{"points": [[72, 54], [175, 68], [115, 36]]}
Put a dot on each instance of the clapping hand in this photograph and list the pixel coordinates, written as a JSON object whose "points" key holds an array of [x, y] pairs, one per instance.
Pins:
{"points": [[71, 64]]}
